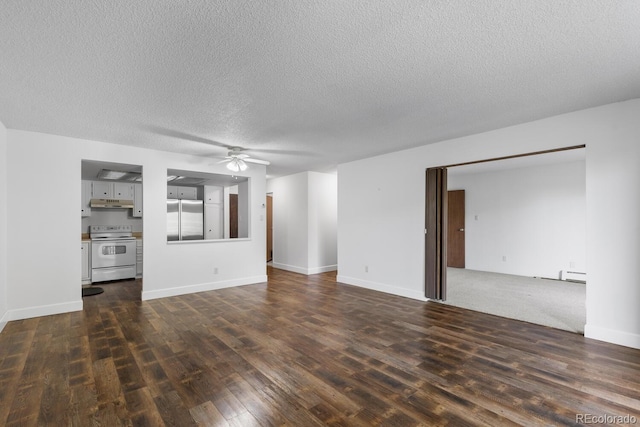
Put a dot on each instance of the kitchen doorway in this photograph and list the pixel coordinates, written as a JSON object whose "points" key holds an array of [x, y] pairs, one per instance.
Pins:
{"points": [[111, 211], [488, 239]]}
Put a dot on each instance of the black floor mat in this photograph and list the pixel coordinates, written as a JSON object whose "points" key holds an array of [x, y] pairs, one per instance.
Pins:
{"points": [[87, 292]]}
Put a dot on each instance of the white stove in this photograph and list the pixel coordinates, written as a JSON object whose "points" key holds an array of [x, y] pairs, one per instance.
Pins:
{"points": [[113, 252]]}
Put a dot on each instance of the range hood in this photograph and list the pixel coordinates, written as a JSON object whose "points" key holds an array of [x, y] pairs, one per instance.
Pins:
{"points": [[111, 203]]}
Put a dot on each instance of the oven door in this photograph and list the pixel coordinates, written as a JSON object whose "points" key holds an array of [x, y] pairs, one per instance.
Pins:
{"points": [[113, 253]]}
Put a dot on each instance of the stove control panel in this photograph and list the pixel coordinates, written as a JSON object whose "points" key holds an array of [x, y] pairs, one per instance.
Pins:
{"points": [[110, 229]]}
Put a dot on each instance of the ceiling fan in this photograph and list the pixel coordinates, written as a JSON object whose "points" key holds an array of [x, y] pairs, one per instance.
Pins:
{"points": [[237, 161]]}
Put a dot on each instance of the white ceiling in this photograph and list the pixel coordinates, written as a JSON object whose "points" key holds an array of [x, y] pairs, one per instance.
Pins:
{"points": [[307, 84]]}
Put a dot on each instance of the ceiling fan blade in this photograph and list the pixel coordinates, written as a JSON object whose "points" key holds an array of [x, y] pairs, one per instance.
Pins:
{"points": [[228, 159], [183, 135], [257, 161], [277, 151]]}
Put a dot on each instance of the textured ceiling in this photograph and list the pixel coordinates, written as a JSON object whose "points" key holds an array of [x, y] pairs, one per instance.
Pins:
{"points": [[307, 84]]}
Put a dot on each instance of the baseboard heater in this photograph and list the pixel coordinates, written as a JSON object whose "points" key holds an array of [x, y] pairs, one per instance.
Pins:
{"points": [[573, 276]]}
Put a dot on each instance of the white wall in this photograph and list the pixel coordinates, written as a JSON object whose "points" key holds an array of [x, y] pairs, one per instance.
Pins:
{"points": [[243, 208], [290, 222], [533, 216], [111, 217], [323, 222], [3, 227], [381, 223], [43, 275], [304, 222], [613, 226]]}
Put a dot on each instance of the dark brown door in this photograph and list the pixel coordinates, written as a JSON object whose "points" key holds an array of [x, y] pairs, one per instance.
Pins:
{"points": [[269, 228], [435, 234], [455, 234], [233, 216]]}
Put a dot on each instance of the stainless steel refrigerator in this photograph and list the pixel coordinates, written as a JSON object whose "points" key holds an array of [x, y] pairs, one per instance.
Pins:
{"points": [[185, 220]]}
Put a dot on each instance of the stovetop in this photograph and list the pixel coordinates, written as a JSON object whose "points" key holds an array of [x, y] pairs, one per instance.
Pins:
{"points": [[110, 232]]}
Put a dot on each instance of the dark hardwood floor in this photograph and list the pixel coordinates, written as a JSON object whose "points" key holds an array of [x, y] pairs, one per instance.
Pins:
{"points": [[303, 351]]}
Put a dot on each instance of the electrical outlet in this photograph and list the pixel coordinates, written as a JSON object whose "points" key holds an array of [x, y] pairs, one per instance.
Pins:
{"points": [[572, 264], [504, 258], [366, 268], [215, 270]]}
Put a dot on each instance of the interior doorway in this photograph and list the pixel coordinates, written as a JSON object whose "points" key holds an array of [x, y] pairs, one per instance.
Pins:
{"points": [[525, 220], [455, 229], [436, 220], [269, 227], [111, 199], [233, 216]]}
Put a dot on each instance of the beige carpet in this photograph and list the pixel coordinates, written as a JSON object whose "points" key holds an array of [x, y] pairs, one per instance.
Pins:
{"points": [[554, 303]]}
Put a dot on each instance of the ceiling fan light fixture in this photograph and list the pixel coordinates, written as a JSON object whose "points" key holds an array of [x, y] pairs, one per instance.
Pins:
{"points": [[237, 165]]}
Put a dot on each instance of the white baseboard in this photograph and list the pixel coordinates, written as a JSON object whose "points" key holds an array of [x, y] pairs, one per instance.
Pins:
{"points": [[303, 270], [202, 287], [382, 287], [323, 269], [43, 310], [613, 336]]}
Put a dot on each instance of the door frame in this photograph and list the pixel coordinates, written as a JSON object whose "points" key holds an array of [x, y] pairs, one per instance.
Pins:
{"points": [[436, 233], [435, 268]]}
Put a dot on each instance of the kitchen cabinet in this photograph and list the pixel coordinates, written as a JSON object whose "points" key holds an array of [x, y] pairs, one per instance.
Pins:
{"points": [[137, 201], [213, 212], [86, 262], [85, 200], [102, 190], [112, 190], [138, 258], [184, 193], [213, 194], [213, 221], [123, 190], [187, 193]]}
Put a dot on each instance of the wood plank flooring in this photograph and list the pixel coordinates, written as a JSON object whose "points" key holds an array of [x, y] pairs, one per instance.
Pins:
{"points": [[303, 351]]}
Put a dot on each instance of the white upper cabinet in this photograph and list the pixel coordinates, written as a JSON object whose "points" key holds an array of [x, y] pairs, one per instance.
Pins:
{"points": [[185, 193], [137, 201], [85, 201], [112, 190], [123, 190], [188, 193], [102, 190], [212, 194], [172, 192]]}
